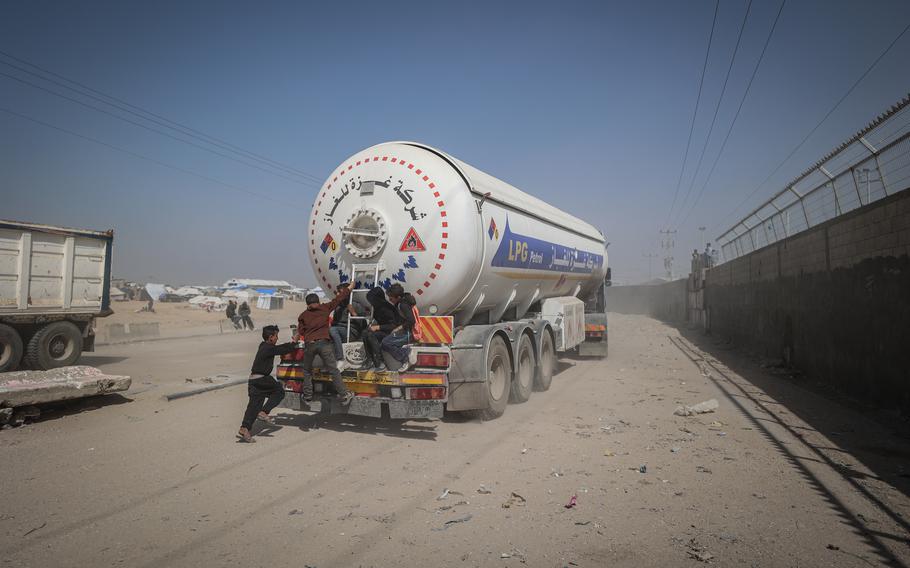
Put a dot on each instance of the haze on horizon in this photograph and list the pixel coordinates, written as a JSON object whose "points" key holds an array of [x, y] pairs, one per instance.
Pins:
{"points": [[586, 105]]}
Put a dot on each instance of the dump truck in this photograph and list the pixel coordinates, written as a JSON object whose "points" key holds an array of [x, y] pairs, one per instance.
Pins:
{"points": [[505, 283], [54, 282]]}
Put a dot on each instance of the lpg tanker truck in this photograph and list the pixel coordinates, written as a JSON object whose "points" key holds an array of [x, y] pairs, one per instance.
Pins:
{"points": [[504, 282]]}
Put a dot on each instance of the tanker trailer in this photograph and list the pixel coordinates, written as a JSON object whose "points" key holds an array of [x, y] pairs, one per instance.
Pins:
{"points": [[501, 278]]}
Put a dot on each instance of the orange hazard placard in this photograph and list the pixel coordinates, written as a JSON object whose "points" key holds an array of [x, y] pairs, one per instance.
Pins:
{"points": [[412, 242], [437, 329]]}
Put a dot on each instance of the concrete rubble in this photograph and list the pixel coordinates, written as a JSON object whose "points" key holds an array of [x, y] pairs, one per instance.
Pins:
{"points": [[26, 388]]}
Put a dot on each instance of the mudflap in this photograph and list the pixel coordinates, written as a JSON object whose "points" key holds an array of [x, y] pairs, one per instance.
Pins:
{"points": [[593, 348]]}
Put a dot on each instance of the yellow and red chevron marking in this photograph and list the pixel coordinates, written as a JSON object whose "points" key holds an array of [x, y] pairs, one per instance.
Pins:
{"points": [[437, 329]]}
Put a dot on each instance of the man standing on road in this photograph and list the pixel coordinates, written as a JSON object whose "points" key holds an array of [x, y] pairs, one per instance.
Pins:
{"points": [[262, 386], [244, 313], [313, 325]]}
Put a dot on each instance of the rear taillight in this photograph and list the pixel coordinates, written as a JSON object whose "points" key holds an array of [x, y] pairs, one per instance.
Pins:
{"points": [[440, 360], [430, 393]]}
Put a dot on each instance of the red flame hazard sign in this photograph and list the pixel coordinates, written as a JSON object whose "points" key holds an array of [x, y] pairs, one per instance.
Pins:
{"points": [[412, 242]]}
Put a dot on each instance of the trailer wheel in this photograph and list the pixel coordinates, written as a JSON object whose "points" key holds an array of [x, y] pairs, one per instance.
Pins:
{"points": [[523, 381], [57, 344], [547, 363], [498, 380], [10, 348]]}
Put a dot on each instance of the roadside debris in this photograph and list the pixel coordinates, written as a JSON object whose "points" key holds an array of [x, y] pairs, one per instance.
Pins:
{"points": [[572, 502], [451, 522], [514, 499], [483, 490], [700, 408], [675, 449], [608, 453], [643, 468], [698, 552], [443, 495], [44, 524]]}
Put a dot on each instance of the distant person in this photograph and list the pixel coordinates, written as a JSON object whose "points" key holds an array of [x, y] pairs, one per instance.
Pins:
{"points": [[339, 329], [151, 305], [396, 342], [244, 312], [265, 391], [385, 319], [231, 313], [313, 325]]}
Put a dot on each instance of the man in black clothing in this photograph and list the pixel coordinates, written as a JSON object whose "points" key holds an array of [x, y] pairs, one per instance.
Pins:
{"points": [[386, 318], [262, 385]]}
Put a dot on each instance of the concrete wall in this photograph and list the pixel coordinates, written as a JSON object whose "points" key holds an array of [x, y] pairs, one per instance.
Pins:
{"points": [[664, 301], [833, 301]]}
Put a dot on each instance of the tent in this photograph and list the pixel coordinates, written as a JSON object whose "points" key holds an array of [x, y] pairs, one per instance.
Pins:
{"points": [[187, 291], [155, 291], [271, 302], [213, 302]]}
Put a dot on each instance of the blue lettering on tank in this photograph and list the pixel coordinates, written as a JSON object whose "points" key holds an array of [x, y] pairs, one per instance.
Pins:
{"points": [[520, 251]]}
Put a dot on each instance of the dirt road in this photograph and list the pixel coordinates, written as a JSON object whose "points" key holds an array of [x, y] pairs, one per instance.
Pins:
{"points": [[777, 476]]}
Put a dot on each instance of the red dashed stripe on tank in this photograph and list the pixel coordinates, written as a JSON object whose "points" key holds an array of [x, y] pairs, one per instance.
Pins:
{"points": [[423, 177]]}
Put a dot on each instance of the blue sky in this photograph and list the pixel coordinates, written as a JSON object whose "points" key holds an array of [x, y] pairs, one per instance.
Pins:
{"points": [[583, 104]]}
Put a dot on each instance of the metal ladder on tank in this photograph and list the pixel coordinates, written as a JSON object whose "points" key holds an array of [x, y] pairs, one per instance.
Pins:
{"points": [[375, 269]]}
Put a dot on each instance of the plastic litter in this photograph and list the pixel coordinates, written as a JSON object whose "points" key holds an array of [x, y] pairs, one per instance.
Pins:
{"points": [[483, 490], [572, 502], [514, 499]]}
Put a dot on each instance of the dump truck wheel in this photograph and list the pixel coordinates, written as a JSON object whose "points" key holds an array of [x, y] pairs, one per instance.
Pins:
{"points": [[523, 381], [547, 363], [57, 344], [10, 348]]}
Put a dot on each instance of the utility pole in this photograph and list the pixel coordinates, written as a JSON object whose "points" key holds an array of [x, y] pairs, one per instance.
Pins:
{"points": [[668, 243], [650, 256]]}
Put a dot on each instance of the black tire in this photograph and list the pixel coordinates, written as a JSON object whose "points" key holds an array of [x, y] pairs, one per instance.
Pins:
{"points": [[499, 374], [10, 348], [525, 364], [57, 344], [546, 363]]}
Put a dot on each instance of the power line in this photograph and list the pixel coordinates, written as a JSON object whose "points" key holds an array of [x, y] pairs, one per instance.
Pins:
{"points": [[736, 116], [824, 118], [701, 83], [184, 129], [145, 126], [140, 156], [720, 99]]}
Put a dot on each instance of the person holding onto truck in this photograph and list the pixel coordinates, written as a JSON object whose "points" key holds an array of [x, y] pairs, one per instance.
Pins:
{"points": [[244, 312], [396, 342], [385, 319], [313, 325], [339, 329], [264, 390]]}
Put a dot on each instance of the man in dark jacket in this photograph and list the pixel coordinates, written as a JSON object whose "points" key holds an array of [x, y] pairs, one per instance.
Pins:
{"points": [[231, 313], [396, 342], [262, 385], [385, 318], [313, 325]]}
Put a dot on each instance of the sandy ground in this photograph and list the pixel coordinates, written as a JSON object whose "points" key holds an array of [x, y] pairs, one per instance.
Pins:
{"points": [[177, 319], [778, 476]]}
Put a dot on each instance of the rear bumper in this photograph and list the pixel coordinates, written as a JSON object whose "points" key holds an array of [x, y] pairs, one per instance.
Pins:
{"points": [[366, 406]]}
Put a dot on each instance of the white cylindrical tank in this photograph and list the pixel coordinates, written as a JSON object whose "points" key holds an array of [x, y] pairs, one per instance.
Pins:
{"points": [[463, 242]]}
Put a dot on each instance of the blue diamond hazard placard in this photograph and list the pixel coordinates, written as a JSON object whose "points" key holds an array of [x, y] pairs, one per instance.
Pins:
{"points": [[412, 242]]}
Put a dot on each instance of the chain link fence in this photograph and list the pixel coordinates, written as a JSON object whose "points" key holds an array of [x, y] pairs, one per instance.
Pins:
{"points": [[874, 164]]}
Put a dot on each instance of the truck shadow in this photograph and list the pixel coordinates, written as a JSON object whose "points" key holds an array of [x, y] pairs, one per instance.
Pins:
{"points": [[832, 432], [93, 360], [422, 430]]}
